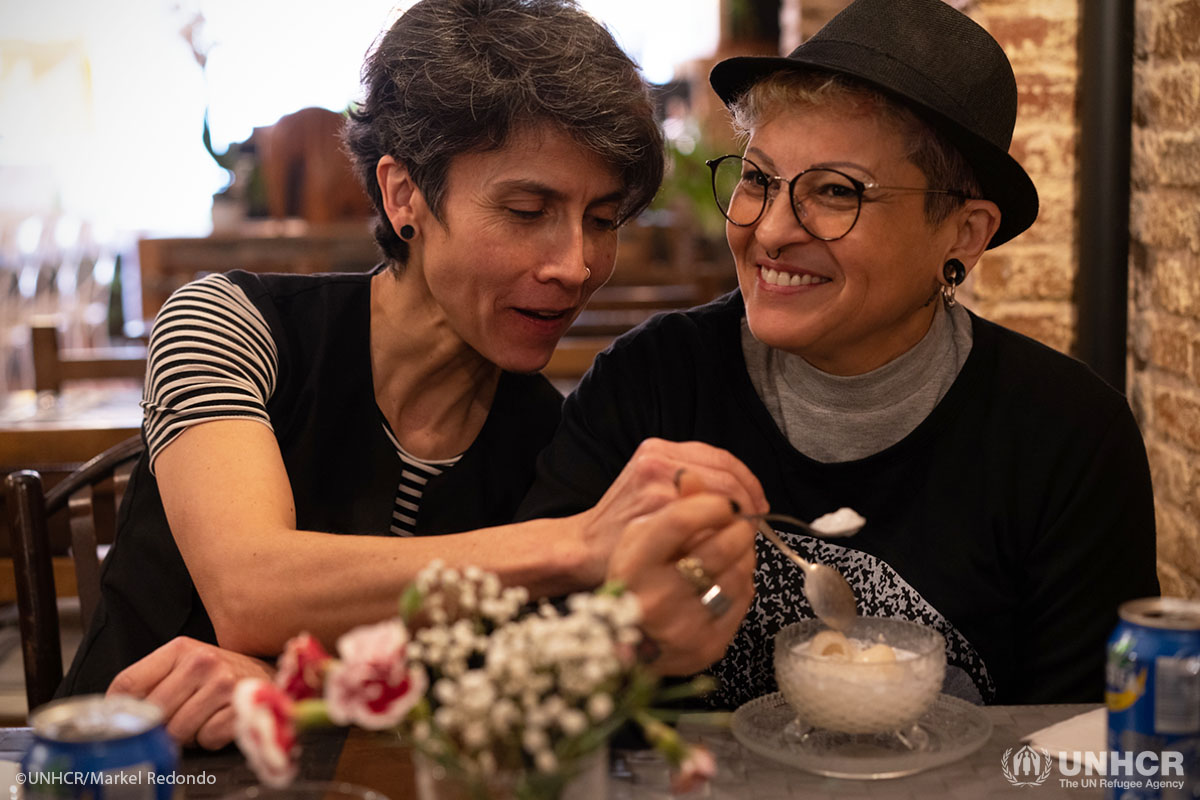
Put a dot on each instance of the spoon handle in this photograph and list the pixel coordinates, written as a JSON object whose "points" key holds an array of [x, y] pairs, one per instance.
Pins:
{"points": [[773, 538], [788, 519]]}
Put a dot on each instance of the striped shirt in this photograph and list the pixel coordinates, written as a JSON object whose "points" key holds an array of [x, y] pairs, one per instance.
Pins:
{"points": [[212, 357]]}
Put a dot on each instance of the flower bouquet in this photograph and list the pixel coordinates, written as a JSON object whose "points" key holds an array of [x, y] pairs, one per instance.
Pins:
{"points": [[499, 701]]}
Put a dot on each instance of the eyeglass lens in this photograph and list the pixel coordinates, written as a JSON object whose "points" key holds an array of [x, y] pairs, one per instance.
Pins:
{"points": [[825, 201]]}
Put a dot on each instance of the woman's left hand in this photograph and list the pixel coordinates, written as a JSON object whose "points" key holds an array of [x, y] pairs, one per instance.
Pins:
{"points": [[192, 682], [688, 634]]}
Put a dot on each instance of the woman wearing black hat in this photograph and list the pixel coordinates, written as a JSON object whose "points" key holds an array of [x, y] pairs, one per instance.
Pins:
{"points": [[1005, 487]]}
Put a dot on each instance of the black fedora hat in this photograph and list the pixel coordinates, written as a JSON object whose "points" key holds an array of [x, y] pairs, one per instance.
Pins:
{"points": [[932, 59]]}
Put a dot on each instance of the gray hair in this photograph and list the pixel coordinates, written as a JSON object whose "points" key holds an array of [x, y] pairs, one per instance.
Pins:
{"points": [[457, 76], [940, 161]]}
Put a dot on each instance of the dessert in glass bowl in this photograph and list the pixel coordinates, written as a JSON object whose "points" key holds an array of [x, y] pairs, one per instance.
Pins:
{"points": [[878, 677]]}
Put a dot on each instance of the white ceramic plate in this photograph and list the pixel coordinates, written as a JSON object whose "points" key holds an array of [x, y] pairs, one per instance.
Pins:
{"points": [[953, 729]]}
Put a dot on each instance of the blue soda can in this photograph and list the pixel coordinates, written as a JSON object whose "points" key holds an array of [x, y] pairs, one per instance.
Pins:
{"points": [[99, 747], [1153, 699]]}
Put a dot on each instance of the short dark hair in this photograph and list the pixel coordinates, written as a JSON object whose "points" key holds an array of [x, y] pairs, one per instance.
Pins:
{"points": [[940, 161], [457, 76]]}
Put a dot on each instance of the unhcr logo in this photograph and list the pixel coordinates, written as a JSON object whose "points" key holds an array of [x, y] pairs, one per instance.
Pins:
{"points": [[1125, 770], [1026, 767]]}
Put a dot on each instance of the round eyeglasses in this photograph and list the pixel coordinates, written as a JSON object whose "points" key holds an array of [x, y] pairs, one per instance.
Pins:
{"points": [[826, 202]]}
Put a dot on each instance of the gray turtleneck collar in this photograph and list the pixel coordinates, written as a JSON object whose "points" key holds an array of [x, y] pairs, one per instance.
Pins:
{"points": [[834, 418]]}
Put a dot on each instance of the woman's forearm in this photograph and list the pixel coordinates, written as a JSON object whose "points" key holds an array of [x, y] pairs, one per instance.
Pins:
{"points": [[274, 584]]}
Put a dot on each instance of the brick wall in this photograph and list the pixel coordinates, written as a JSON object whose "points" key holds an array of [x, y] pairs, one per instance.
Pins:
{"points": [[1029, 283], [1165, 276]]}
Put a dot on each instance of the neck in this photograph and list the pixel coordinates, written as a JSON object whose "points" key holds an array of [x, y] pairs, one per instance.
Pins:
{"points": [[432, 387], [878, 350]]}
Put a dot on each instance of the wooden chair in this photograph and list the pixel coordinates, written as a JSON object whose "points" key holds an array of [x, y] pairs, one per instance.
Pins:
{"points": [[614, 309], [33, 560], [52, 365]]}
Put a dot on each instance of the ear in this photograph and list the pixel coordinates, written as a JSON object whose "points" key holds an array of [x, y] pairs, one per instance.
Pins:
{"points": [[975, 224], [400, 194]]}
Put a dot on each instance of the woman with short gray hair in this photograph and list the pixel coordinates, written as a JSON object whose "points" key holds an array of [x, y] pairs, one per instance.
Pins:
{"points": [[503, 143]]}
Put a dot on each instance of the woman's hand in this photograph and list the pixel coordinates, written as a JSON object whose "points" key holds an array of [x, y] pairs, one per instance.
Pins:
{"points": [[192, 682], [650, 481], [689, 635]]}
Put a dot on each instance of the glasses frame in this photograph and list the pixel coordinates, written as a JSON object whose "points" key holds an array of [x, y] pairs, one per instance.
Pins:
{"points": [[860, 188]]}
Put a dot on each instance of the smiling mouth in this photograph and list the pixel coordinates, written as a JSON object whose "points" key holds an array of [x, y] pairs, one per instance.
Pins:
{"points": [[781, 278], [544, 316]]}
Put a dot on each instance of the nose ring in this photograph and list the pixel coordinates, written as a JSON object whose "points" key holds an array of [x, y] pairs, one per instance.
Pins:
{"points": [[777, 254], [588, 270]]}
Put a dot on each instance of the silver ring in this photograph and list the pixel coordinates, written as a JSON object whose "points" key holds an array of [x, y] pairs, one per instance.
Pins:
{"points": [[588, 270], [715, 601]]}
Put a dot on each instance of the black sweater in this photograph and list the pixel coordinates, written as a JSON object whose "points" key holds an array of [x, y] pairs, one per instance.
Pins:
{"points": [[1015, 518]]}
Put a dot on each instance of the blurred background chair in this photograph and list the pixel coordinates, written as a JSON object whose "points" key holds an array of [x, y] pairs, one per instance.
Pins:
{"points": [[91, 497], [305, 171], [52, 365]]}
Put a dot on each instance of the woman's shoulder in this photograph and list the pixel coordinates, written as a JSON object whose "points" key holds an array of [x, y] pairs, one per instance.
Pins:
{"points": [[284, 285], [702, 327], [1041, 377]]}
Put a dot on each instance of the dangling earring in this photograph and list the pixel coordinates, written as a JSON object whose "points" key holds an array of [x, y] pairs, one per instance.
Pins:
{"points": [[954, 272], [407, 232]]}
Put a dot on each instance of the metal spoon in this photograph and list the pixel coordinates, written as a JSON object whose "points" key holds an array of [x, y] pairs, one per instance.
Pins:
{"points": [[787, 519], [831, 598]]}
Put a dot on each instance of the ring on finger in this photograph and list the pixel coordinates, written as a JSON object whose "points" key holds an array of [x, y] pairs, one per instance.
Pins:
{"points": [[715, 601], [694, 573]]}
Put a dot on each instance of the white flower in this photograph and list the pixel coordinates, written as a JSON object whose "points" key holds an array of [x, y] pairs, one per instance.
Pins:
{"points": [[599, 707], [444, 691], [535, 740], [475, 735], [545, 761], [504, 715], [445, 718], [573, 722]]}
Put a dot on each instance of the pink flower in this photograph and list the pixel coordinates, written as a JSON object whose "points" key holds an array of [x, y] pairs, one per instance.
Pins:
{"points": [[697, 767], [373, 685], [265, 731], [302, 667]]}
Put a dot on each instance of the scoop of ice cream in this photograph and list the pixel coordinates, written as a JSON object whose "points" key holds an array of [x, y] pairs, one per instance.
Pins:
{"points": [[842, 522], [831, 643]]}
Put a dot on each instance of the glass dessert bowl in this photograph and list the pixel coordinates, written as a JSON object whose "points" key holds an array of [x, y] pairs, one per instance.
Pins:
{"points": [[878, 677]]}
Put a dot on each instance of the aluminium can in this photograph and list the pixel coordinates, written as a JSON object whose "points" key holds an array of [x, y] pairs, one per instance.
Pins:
{"points": [[1153, 697], [101, 748]]}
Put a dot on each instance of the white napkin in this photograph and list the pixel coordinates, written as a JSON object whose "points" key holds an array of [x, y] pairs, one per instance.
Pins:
{"points": [[1079, 734]]}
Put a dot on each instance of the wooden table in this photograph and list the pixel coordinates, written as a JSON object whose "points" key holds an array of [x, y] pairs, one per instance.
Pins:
{"points": [[83, 420], [54, 435], [379, 762]]}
